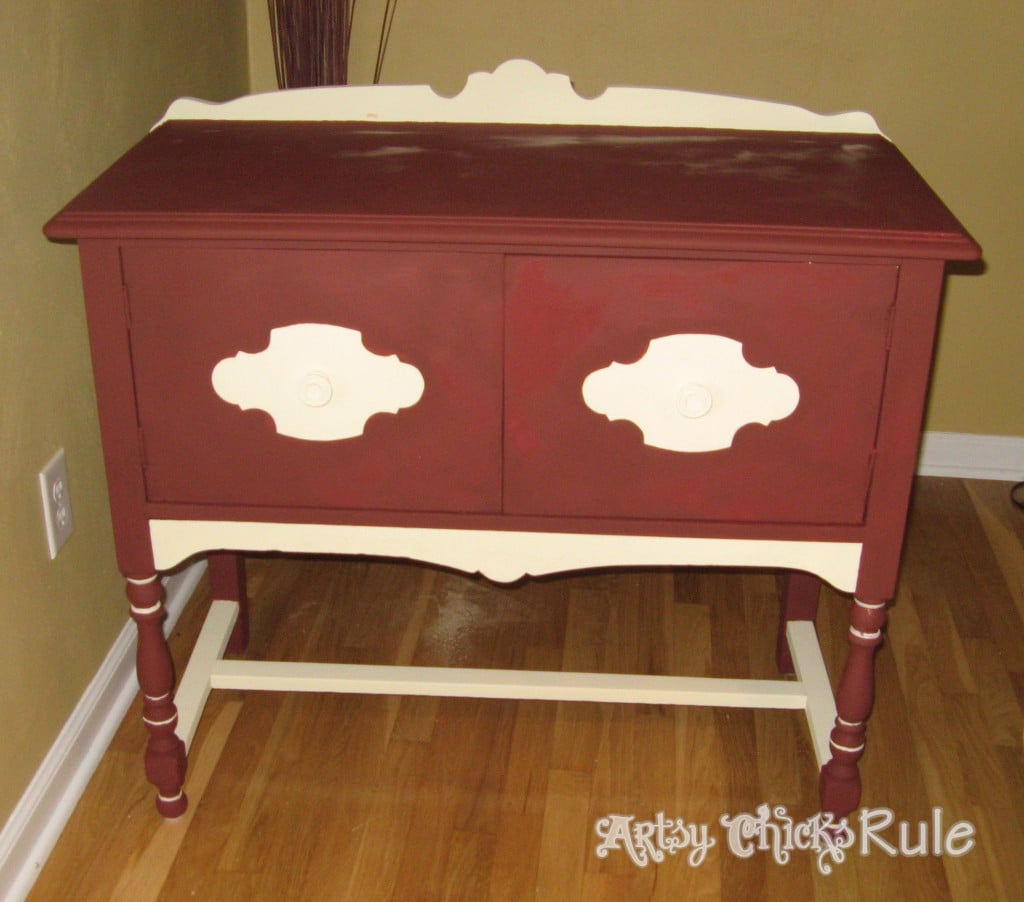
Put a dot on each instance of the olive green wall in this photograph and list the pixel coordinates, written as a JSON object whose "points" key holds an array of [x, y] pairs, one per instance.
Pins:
{"points": [[80, 82], [942, 77]]}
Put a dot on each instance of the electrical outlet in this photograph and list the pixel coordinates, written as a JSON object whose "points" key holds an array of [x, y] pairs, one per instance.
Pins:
{"points": [[53, 483]]}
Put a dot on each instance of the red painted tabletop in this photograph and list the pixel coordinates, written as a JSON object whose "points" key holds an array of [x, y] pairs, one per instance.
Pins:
{"points": [[569, 185]]}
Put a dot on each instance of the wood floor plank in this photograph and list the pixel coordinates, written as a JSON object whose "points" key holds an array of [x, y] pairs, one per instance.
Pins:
{"points": [[368, 797], [144, 878], [1004, 530], [564, 839]]}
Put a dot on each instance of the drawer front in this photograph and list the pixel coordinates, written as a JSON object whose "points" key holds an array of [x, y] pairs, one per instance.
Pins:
{"points": [[318, 378], [701, 390]]}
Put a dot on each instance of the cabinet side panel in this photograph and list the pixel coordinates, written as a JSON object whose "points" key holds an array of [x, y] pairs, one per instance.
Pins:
{"points": [[899, 430], [115, 398]]}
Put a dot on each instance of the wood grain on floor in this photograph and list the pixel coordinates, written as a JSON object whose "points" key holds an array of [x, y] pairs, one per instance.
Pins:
{"points": [[368, 797]]}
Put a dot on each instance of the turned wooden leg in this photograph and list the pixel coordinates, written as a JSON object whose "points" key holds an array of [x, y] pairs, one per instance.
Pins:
{"points": [[165, 752], [227, 583], [799, 602], [840, 778]]}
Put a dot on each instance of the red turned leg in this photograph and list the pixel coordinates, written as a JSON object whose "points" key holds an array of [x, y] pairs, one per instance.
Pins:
{"points": [[799, 598], [227, 583], [165, 752], [840, 778]]}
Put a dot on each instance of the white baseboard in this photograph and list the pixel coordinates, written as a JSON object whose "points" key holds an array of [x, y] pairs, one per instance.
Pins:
{"points": [[36, 823], [970, 456]]}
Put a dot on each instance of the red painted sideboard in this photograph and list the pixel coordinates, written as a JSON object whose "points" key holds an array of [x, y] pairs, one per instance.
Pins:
{"points": [[512, 283]]}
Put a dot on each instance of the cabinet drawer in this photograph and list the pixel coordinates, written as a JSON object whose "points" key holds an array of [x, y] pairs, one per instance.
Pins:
{"points": [[376, 379], [754, 396]]}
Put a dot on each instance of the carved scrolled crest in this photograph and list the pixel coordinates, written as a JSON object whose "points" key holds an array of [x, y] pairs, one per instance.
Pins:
{"points": [[318, 382], [520, 91], [691, 392]]}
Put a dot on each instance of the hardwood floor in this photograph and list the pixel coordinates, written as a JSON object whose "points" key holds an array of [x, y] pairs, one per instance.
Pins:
{"points": [[362, 797]]}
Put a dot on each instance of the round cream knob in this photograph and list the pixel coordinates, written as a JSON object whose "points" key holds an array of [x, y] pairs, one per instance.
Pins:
{"points": [[315, 389], [695, 401]]}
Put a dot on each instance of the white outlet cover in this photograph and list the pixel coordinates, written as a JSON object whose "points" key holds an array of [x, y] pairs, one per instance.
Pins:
{"points": [[53, 484]]}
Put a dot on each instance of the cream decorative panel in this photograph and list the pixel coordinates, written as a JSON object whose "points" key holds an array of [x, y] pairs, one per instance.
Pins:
{"points": [[691, 392], [318, 382], [521, 91], [503, 555]]}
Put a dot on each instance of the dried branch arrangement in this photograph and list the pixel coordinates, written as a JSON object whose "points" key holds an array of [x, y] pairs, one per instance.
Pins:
{"points": [[311, 40]]}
